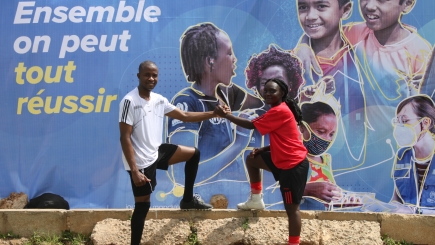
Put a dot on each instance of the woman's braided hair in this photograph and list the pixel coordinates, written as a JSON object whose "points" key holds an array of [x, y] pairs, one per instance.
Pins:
{"points": [[198, 43]]}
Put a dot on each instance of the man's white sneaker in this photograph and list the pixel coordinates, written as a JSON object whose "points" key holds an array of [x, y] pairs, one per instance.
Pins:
{"points": [[255, 201]]}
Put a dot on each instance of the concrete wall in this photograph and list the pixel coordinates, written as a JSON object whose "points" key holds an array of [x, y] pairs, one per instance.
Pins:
{"points": [[419, 229]]}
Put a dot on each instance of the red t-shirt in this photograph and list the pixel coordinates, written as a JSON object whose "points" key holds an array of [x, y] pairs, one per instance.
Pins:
{"points": [[286, 145]]}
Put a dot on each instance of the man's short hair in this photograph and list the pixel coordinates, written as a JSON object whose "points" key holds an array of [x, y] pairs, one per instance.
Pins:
{"points": [[146, 63]]}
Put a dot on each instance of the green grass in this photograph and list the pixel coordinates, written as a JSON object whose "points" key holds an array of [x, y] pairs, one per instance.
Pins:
{"points": [[67, 238], [245, 224], [9, 236], [192, 239], [389, 241], [72, 238], [39, 238]]}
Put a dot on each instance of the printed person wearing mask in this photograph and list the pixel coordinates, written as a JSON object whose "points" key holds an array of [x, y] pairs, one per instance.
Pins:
{"points": [[319, 127], [319, 131], [413, 171]]}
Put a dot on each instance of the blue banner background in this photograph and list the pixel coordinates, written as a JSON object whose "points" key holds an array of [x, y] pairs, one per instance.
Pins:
{"points": [[78, 155]]}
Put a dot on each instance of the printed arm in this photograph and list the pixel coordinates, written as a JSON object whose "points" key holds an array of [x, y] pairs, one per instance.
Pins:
{"points": [[395, 197], [422, 68], [308, 59], [227, 156], [211, 166], [322, 187], [187, 134], [238, 99], [354, 32]]}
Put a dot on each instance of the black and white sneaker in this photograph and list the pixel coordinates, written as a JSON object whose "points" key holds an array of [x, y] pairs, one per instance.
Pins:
{"points": [[196, 203]]}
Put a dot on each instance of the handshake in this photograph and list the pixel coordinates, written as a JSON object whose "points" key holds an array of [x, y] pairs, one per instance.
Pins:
{"points": [[222, 111], [243, 120]]}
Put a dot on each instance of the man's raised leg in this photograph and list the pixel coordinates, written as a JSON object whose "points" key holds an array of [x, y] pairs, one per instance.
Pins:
{"points": [[191, 156]]}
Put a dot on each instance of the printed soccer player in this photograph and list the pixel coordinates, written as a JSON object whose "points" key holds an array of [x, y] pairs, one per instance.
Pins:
{"points": [[208, 62]]}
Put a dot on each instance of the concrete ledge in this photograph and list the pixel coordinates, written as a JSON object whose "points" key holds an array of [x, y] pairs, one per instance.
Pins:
{"points": [[25, 223], [84, 220], [341, 216], [418, 229]]}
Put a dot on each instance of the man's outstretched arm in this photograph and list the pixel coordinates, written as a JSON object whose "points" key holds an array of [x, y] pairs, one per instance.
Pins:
{"points": [[189, 116]]}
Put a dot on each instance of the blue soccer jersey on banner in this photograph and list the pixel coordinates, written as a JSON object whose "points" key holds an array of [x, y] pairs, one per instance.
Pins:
{"points": [[216, 130]]}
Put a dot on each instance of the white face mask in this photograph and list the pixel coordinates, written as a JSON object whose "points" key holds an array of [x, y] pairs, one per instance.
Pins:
{"points": [[405, 134]]}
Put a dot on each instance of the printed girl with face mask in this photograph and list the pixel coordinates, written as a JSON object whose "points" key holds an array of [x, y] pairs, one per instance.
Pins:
{"points": [[318, 131], [414, 171]]}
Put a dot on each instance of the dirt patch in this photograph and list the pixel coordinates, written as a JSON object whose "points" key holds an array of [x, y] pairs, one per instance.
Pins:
{"points": [[239, 231], [14, 201]]}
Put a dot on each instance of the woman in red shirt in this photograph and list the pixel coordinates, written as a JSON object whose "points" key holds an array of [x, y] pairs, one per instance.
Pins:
{"points": [[285, 157]]}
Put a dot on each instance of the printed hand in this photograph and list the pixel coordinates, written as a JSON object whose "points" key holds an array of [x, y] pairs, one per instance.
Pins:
{"points": [[308, 60], [326, 83], [414, 84], [307, 93], [329, 84], [326, 191], [402, 208]]}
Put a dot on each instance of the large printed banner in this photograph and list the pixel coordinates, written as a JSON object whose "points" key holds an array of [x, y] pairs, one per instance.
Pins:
{"points": [[361, 72]]}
